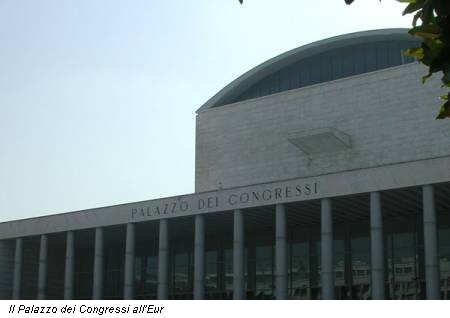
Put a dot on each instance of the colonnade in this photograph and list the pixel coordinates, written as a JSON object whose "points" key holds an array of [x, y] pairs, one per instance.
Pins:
{"points": [[281, 257]]}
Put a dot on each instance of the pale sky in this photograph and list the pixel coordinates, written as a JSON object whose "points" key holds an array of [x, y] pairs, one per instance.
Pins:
{"points": [[98, 97]]}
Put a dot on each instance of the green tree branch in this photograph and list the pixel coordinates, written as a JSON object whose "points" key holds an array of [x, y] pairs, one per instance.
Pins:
{"points": [[431, 23]]}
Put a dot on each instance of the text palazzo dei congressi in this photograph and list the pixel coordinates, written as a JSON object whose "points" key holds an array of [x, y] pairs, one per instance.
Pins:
{"points": [[218, 201]]}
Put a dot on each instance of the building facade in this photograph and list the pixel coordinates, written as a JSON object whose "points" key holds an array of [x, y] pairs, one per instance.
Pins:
{"points": [[320, 174]]}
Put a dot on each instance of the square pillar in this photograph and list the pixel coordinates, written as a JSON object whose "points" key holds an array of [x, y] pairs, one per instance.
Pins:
{"points": [[18, 266], [42, 271], [163, 260], [281, 264], [69, 272], [327, 263], [238, 255], [199, 257], [430, 242], [377, 246], [97, 286], [128, 288]]}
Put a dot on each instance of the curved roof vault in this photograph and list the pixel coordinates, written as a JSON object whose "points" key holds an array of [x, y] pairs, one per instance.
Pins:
{"points": [[336, 57]]}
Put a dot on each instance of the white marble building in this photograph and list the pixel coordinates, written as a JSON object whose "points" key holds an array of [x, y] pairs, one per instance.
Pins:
{"points": [[320, 174]]}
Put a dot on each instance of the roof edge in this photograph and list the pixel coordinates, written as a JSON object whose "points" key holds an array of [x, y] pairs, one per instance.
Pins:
{"points": [[276, 63]]}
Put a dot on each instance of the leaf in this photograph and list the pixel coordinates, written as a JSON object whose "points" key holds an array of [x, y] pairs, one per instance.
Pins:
{"points": [[426, 31], [416, 17], [444, 112], [424, 78], [414, 6], [434, 43], [427, 12], [446, 79], [416, 52]]}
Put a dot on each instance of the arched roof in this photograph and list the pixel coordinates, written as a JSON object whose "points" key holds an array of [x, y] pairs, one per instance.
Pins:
{"points": [[340, 52]]}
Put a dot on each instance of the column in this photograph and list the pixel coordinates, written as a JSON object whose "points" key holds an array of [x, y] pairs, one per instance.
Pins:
{"points": [[18, 264], [42, 272], [377, 246], [69, 273], [163, 260], [327, 250], [199, 257], [238, 255], [128, 287], [97, 286], [430, 243], [281, 267]]}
